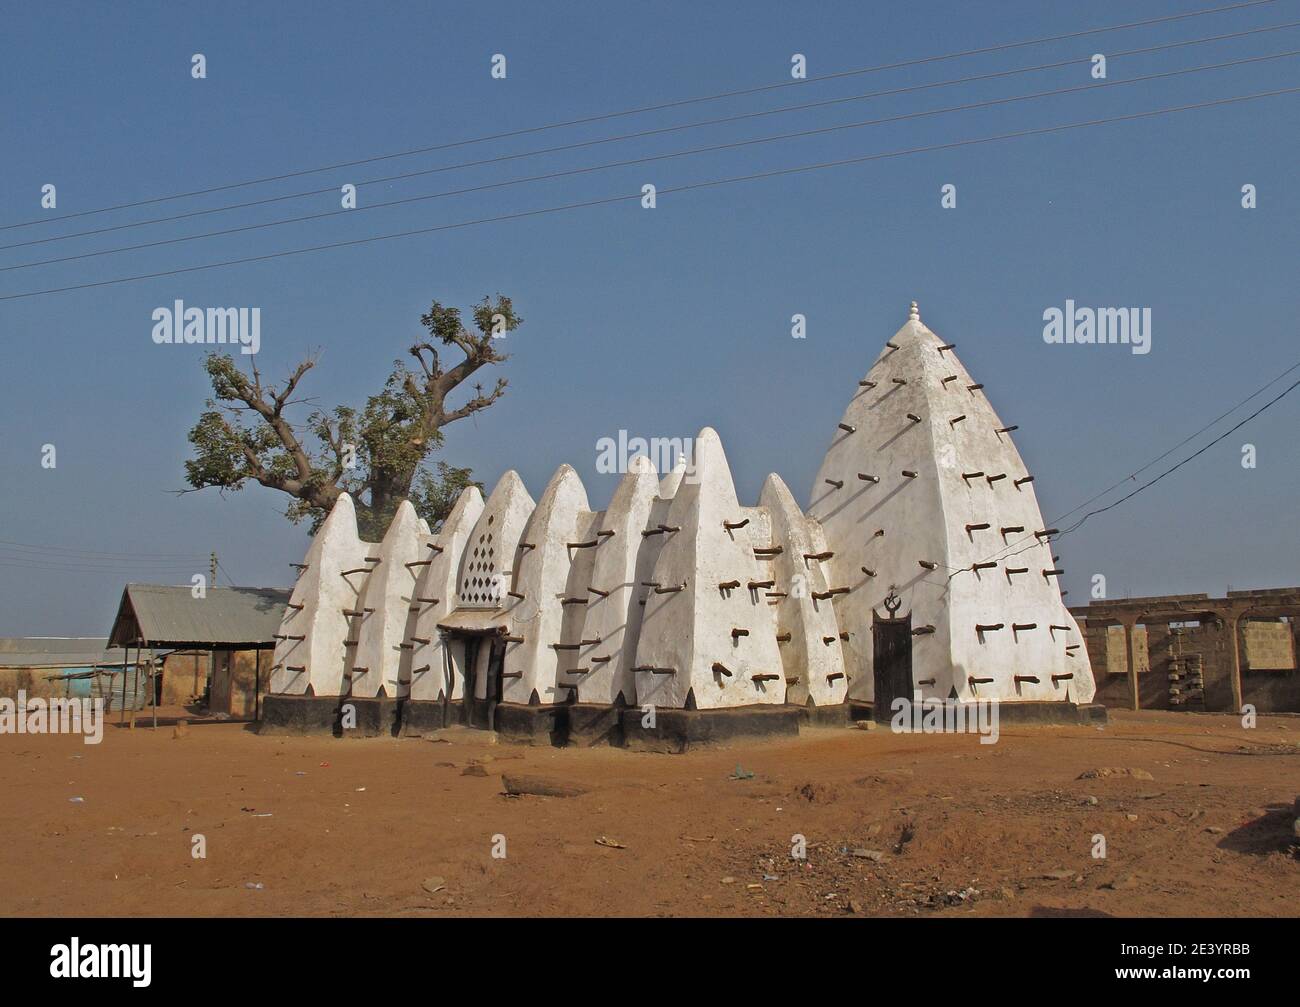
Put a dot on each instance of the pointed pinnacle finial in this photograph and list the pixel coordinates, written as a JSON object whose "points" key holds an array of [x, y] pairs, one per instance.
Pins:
{"points": [[913, 313]]}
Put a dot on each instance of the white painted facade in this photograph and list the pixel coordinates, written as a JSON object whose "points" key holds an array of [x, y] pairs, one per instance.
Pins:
{"points": [[677, 595], [922, 492]]}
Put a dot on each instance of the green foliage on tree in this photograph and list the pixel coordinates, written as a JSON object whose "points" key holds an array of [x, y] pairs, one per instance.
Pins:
{"points": [[377, 455]]}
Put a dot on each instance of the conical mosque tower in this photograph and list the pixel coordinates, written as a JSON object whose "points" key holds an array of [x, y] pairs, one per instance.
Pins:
{"points": [[926, 502]]}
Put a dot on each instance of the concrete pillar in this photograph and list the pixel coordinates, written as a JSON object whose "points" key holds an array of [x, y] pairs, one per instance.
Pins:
{"points": [[1231, 621], [1130, 623]]}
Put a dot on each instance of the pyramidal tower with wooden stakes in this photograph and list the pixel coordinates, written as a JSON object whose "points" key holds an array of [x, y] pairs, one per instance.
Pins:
{"points": [[953, 585], [677, 615]]}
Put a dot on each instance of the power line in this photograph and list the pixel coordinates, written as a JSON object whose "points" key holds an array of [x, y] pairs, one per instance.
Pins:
{"points": [[1033, 541], [1132, 475], [723, 120], [971, 106], [127, 571], [1231, 430], [95, 552], [651, 108], [775, 173], [227, 573]]}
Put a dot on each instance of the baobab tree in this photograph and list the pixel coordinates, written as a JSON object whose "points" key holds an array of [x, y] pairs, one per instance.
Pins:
{"points": [[377, 455]]}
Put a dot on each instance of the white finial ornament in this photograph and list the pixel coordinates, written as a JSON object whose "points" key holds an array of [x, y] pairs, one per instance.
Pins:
{"points": [[913, 313]]}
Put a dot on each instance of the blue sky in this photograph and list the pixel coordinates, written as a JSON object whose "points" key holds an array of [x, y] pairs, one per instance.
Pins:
{"points": [[656, 322]]}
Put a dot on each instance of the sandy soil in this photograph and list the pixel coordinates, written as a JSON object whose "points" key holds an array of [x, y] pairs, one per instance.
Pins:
{"points": [[894, 824]]}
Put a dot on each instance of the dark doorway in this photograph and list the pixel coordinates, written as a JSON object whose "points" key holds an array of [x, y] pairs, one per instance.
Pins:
{"points": [[493, 687], [484, 661], [892, 662]]}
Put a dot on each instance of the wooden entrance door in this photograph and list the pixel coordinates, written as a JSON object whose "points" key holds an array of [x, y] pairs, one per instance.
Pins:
{"points": [[892, 663]]}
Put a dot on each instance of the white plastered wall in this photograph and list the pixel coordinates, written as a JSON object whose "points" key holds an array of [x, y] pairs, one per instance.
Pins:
{"points": [[613, 614], [541, 574], [918, 411], [686, 633], [812, 658], [311, 649], [435, 596]]}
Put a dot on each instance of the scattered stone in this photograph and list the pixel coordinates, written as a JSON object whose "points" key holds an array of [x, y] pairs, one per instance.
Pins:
{"points": [[1008, 894], [1213, 829], [817, 793], [475, 770], [866, 725], [728, 880], [613, 844], [1124, 882], [1058, 875], [854, 905], [1108, 771], [539, 787], [434, 884], [741, 774], [874, 855], [1090, 800], [1131, 817]]}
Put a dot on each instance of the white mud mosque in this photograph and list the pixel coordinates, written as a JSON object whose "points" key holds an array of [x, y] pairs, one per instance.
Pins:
{"points": [[921, 569]]}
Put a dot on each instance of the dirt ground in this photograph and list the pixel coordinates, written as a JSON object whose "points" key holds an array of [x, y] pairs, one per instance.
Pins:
{"points": [[895, 825]]}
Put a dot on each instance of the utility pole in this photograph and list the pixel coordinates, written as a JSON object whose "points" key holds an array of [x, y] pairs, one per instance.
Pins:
{"points": [[212, 568]]}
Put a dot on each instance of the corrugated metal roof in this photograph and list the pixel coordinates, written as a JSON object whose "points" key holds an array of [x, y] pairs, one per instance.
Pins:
{"points": [[60, 652], [170, 616]]}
